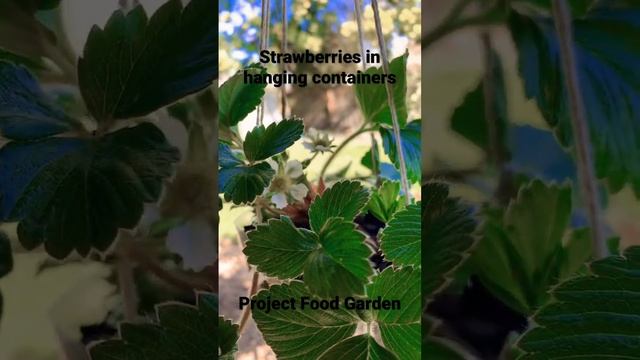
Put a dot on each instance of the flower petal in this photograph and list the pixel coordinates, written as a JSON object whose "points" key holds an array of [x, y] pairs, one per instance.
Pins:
{"points": [[280, 200], [298, 191]]}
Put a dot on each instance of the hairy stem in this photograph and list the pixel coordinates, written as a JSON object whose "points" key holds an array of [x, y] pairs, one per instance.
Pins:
{"points": [[358, 11], [346, 141], [392, 106], [586, 175], [247, 310], [490, 105], [128, 290]]}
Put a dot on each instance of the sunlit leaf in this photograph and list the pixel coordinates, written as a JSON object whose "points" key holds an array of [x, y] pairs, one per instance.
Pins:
{"points": [[237, 99], [344, 199], [411, 147], [334, 261], [373, 97], [361, 347], [386, 201], [400, 329], [401, 239], [262, 143], [301, 333]]}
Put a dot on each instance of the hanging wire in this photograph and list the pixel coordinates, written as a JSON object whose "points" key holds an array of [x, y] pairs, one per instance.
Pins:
{"points": [[392, 104], [284, 51], [263, 45], [374, 146]]}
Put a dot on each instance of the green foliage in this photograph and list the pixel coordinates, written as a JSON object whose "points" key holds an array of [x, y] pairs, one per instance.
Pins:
{"points": [[400, 329], [442, 349], [334, 260], [447, 233], [25, 111], [529, 248], [469, 118], [401, 240], [591, 316], [607, 55], [373, 97], [74, 193], [361, 347], [345, 199], [237, 99], [286, 330], [261, 143], [386, 201], [242, 181], [411, 147], [136, 65], [180, 332]]}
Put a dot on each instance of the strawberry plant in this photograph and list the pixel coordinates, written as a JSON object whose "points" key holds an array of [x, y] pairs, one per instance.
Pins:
{"points": [[307, 234], [531, 271], [327, 247]]}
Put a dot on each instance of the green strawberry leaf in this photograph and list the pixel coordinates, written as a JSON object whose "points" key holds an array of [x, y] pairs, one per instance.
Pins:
{"points": [[411, 147], [279, 248], [25, 112], [180, 332], [344, 199], [334, 261], [226, 156], [301, 333], [262, 143], [447, 232], [373, 97], [242, 183], [529, 248], [386, 201], [400, 329], [237, 99], [469, 119], [361, 347], [136, 65], [607, 55], [341, 265], [401, 239], [594, 316], [443, 349], [74, 193]]}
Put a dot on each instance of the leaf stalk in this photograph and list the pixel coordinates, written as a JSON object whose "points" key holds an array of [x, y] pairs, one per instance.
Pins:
{"points": [[583, 146]]}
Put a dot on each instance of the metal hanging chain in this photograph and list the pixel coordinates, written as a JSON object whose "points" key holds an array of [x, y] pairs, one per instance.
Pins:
{"points": [[392, 105]]}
